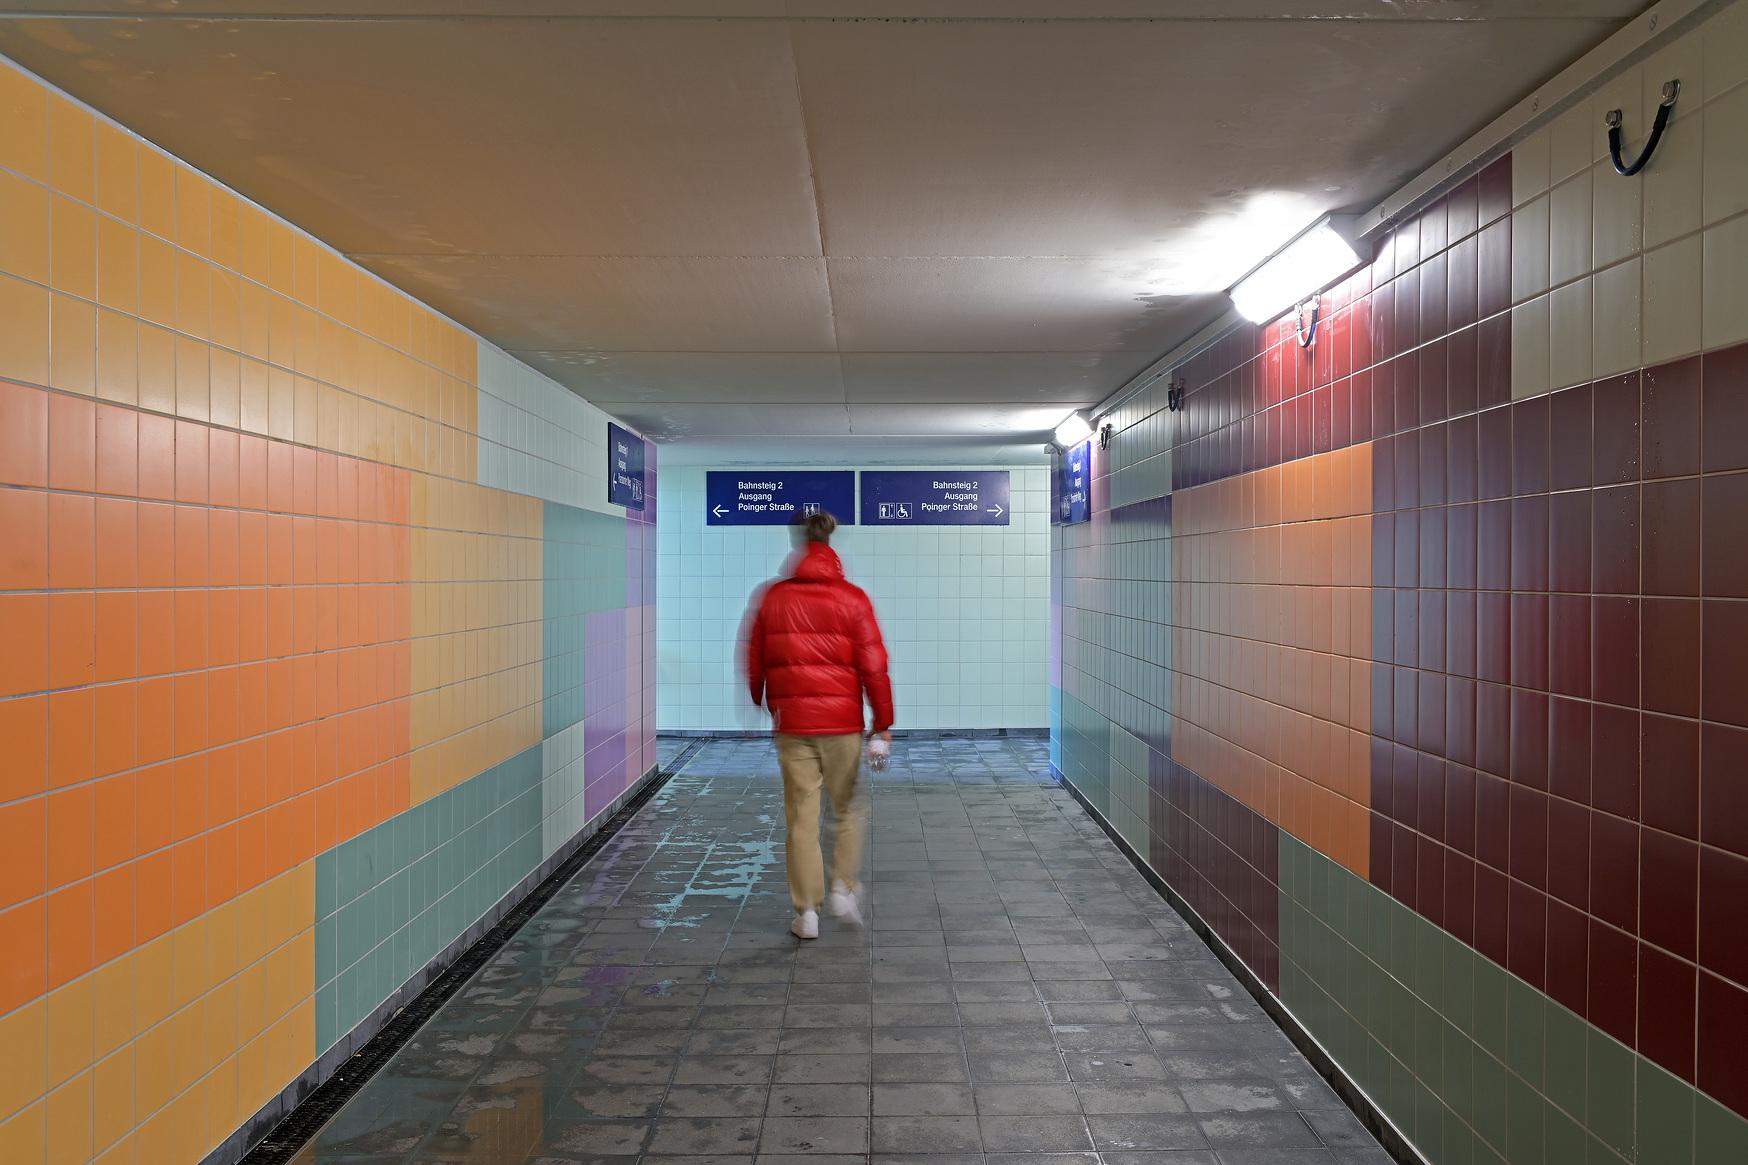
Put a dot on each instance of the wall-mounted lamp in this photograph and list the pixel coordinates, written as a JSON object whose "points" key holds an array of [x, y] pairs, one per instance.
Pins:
{"points": [[1317, 256], [1075, 428]]}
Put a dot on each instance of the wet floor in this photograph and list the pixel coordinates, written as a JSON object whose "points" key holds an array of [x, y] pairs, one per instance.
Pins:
{"points": [[1020, 991]]}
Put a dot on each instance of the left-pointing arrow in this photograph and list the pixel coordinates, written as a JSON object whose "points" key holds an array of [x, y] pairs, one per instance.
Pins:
{"points": [[718, 511]]}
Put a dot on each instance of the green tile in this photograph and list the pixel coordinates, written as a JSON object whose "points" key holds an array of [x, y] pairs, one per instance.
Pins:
{"points": [[1492, 1082], [1459, 1073], [1429, 1054], [1665, 1115], [1403, 935], [1526, 1035], [1525, 1113], [1429, 965], [1597, 1153], [1609, 1092], [1491, 1021], [1565, 1139], [1568, 1053], [1459, 1141], [1429, 1123], [1718, 1133], [1459, 1000]]}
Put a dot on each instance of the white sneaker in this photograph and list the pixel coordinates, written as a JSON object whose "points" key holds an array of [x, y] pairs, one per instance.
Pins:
{"points": [[843, 904], [806, 925]]}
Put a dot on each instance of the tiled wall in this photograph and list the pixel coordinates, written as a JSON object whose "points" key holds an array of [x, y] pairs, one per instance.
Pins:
{"points": [[964, 611], [1453, 742], [319, 638]]}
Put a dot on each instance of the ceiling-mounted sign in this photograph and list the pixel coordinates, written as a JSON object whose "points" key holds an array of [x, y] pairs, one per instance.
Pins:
{"points": [[776, 497], [1074, 484], [624, 468], [935, 497]]}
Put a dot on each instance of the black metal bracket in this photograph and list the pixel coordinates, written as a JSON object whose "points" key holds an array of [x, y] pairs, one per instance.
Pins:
{"points": [[1306, 337], [1105, 432], [1613, 119], [1174, 396]]}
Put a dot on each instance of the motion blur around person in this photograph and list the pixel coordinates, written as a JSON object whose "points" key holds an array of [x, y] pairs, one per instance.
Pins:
{"points": [[813, 653]]}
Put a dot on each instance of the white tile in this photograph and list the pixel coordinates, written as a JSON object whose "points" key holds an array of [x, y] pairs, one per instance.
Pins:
{"points": [[1615, 319], [1530, 339], [1569, 214], [1726, 49], [1625, 93], [1725, 290], [1616, 215], [1572, 145], [1672, 180], [1529, 167], [1726, 156], [1569, 334], [1683, 60], [1529, 250], [1672, 300]]}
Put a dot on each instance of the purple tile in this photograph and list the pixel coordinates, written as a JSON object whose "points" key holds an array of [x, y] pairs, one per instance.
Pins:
{"points": [[1569, 438], [1671, 434], [1615, 540], [1724, 405], [1614, 650], [1671, 523], [1615, 411]]}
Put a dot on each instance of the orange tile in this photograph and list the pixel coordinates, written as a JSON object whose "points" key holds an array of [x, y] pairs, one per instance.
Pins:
{"points": [[188, 816], [191, 625], [193, 379], [69, 933], [193, 458], [23, 851], [72, 733], [24, 553], [118, 365], [190, 727], [222, 549], [24, 331], [155, 642], [157, 544], [193, 545], [24, 435], [156, 444], [156, 701], [24, 229], [157, 282], [152, 896], [117, 452], [187, 881], [24, 628], [72, 149], [114, 823], [72, 541], [24, 727], [223, 707], [112, 901], [72, 345], [117, 745], [223, 864], [72, 248], [156, 352], [72, 831], [24, 938], [72, 638]]}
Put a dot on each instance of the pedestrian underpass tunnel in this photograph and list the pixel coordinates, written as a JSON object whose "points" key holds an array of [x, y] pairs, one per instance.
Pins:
{"points": [[1287, 462]]}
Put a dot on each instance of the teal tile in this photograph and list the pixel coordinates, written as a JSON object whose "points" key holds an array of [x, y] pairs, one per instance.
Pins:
{"points": [[1526, 1035], [1567, 1060], [1610, 1086], [1665, 1118]]}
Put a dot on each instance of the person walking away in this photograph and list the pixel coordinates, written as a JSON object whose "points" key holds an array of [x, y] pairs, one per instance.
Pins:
{"points": [[813, 654]]}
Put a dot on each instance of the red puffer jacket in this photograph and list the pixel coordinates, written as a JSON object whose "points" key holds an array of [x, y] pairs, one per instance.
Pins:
{"points": [[815, 648]]}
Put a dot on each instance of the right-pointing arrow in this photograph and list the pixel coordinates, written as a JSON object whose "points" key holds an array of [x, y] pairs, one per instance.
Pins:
{"points": [[996, 510]]}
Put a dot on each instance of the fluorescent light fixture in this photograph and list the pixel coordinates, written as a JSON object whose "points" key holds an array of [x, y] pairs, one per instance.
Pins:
{"points": [[1074, 429], [1315, 258]]}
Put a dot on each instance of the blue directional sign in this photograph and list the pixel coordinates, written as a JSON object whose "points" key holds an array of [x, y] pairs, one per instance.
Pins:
{"points": [[775, 497], [935, 497], [624, 468], [1074, 484]]}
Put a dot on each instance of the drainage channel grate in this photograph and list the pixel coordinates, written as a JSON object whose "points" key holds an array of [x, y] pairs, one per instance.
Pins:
{"points": [[314, 1111]]}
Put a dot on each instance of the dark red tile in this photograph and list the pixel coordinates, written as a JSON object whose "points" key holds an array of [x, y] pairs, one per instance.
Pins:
{"points": [[1459, 808], [1672, 419], [1492, 889], [1529, 641], [1723, 889], [1671, 519], [1615, 540], [1430, 707], [1361, 406], [1724, 661], [1407, 549], [1670, 662], [1724, 535], [1615, 414], [1569, 749], [1429, 890], [1529, 445], [1569, 438], [1613, 995], [1434, 230], [1529, 836], [1341, 411], [1667, 1008], [1460, 895], [1569, 542], [1404, 866], [1527, 935], [1614, 760], [1529, 738], [1723, 788], [1406, 703], [1384, 549], [1383, 300], [1462, 206], [1463, 465], [1723, 1033], [1530, 543], [1495, 452], [1569, 647], [1614, 871], [1433, 570], [1569, 851], [1493, 186], [1492, 821], [1670, 794], [1462, 269], [1568, 956], [1434, 316], [1493, 546], [1493, 357], [1406, 370], [1434, 455], [1493, 729], [1614, 650], [1724, 405], [1460, 635], [1669, 892]]}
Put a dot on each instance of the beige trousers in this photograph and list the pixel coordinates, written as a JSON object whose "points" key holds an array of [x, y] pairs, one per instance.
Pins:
{"points": [[808, 762]]}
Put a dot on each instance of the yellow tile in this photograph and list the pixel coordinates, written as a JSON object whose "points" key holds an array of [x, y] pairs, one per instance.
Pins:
{"points": [[22, 1137], [188, 963], [279, 256], [218, 1024], [24, 127], [222, 1116], [282, 331], [226, 220], [226, 309], [157, 277], [112, 1006], [118, 368], [193, 295], [187, 1047], [157, 193], [118, 265], [73, 248], [24, 331], [123, 1152], [254, 311], [23, 1069], [281, 404], [70, 1015], [72, 149], [73, 345], [306, 262], [193, 380], [252, 230], [153, 1069], [226, 388], [112, 1098], [221, 941], [24, 227], [157, 369], [253, 397], [152, 995], [193, 211], [118, 172], [67, 1123]]}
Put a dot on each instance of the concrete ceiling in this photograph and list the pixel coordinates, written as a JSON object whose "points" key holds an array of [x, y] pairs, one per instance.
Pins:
{"points": [[948, 219]]}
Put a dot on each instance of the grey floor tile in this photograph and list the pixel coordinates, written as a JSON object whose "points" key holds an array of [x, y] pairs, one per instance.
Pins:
{"points": [[1268, 1130], [926, 1135], [1035, 1134], [1027, 1100], [810, 1135], [793, 1100], [923, 1100], [704, 1135]]}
